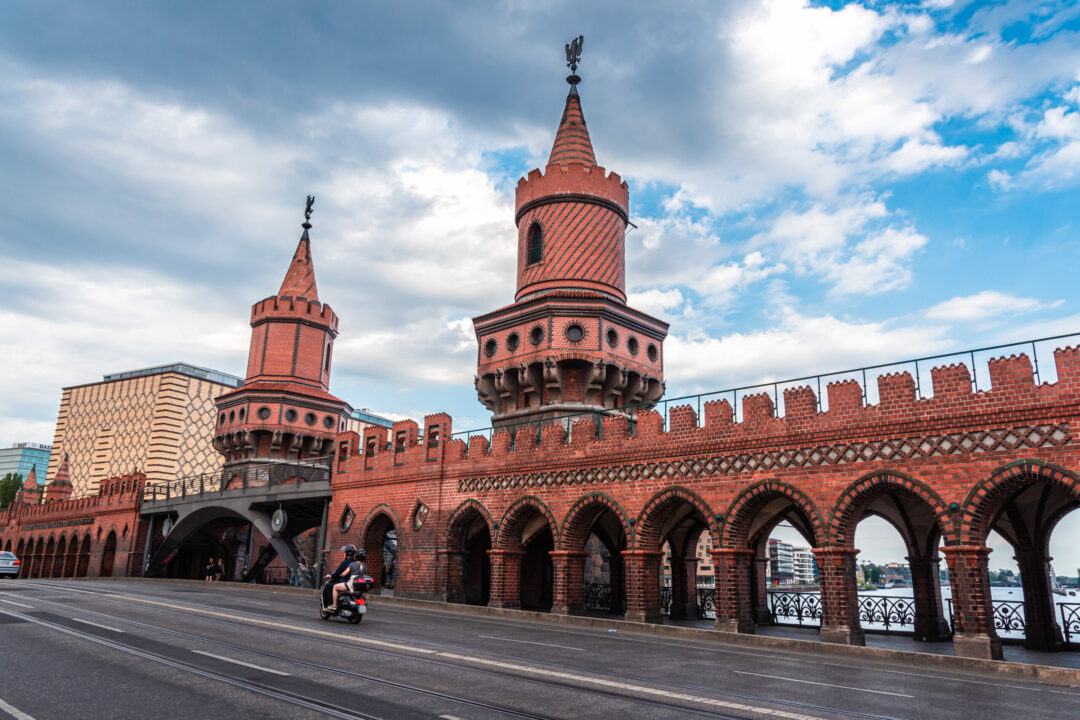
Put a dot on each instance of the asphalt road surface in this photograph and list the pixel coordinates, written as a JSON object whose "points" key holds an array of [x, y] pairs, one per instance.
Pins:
{"points": [[139, 650]]}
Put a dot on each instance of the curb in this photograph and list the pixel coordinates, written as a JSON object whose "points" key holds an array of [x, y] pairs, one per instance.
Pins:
{"points": [[1047, 674]]}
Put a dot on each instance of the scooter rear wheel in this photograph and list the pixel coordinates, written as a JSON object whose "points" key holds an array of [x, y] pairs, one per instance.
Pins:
{"points": [[324, 615], [356, 618]]}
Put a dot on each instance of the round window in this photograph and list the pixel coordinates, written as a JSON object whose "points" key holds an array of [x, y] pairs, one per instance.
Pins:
{"points": [[512, 342], [290, 415], [221, 420], [612, 338], [652, 353], [310, 418], [328, 422], [575, 333], [490, 347], [536, 335], [241, 414], [632, 346], [264, 413], [232, 416]]}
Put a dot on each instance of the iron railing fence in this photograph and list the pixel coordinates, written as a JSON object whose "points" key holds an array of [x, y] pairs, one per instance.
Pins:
{"points": [[1043, 372], [265, 474], [1070, 622]]}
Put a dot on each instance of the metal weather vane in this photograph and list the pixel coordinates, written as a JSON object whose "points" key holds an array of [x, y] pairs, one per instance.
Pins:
{"points": [[573, 53], [307, 211]]}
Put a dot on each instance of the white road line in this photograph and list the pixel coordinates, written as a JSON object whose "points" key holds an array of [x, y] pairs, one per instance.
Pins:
{"points": [[811, 682], [97, 625], [14, 711], [530, 642], [754, 711], [240, 662], [12, 602], [449, 717]]}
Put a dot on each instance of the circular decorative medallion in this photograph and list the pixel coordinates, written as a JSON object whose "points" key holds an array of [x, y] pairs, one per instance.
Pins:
{"points": [[420, 515]]}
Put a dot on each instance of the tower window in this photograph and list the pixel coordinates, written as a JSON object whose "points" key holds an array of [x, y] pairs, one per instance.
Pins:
{"points": [[327, 367], [575, 333], [512, 342], [535, 245]]}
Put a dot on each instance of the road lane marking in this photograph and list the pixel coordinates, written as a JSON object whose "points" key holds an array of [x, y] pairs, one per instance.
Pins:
{"points": [[811, 682], [97, 625], [12, 602], [450, 717], [239, 662], [755, 711], [14, 711], [530, 642]]}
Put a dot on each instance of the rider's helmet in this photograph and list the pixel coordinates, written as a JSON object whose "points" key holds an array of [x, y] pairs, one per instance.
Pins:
{"points": [[349, 550], [361, 554]]}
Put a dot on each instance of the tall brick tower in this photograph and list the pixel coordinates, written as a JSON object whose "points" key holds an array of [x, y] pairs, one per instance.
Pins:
{"points": [[569, 343], [284, 410]]}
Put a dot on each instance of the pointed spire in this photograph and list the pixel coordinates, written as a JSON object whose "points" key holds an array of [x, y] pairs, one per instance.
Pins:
{"points": [[63, 475], [299, 281], [572, 142], [30, 483]]}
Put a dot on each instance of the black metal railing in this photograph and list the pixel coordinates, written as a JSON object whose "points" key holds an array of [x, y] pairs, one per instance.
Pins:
{"points": [[916, 366], [264, 474], [598, 596], [706, 603], [887, 610], [1009, 618], [1070, 621], [795, 608], [666, 598]]}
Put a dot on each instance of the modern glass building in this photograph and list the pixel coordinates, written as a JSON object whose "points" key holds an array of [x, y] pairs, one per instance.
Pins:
{"points": [[20, 457]]}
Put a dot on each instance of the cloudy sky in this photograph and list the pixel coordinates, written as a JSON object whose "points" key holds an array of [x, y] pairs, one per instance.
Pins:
{"points": [[816, 186]]}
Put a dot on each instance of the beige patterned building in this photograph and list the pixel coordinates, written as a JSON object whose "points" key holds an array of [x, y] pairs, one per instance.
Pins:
{"points": [[158, 420]]}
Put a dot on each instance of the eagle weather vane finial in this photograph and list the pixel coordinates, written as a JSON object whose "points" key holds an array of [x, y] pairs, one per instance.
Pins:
{"points": [[573, 53], [307, 211]]}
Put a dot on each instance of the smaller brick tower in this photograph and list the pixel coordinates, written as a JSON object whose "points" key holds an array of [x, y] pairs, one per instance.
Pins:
{"points": [[59, 488], [284, 410], [29, 492], [569, 343]]}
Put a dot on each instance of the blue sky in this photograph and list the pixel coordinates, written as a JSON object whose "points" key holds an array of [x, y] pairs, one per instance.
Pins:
{"points": [[816, 186]]}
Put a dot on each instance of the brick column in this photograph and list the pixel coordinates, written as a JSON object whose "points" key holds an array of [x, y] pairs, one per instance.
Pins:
{"points": [[839, 596], [690, 604], [454, 587], [505, 578], [642, 585], [1041, 629], [759, 593], [930, 621], [569, 582], [733, 590], [973, 618]]}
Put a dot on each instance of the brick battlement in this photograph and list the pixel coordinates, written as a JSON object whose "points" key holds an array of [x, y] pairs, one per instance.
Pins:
{"points": [[1013, 396], [312, 311], [573, 179]]}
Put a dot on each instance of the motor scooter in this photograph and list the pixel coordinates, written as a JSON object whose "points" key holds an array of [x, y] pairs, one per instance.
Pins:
{"points": [[351, 604]]}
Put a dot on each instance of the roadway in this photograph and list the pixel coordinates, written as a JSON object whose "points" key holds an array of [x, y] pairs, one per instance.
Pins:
{"points": [[134, 650]]}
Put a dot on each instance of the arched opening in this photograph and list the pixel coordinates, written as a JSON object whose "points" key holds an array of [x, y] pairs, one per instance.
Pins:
{"points": [[108, 555], [24, 558], [7, 545], [84, 557], [526, 542], [380, 541], [535, 244], [60, 559], [595, 538], [894, 507], [764, 527], [672, 524], [469, 563], [39, 558], [1025, 507], [72, 556], [50, 556]]}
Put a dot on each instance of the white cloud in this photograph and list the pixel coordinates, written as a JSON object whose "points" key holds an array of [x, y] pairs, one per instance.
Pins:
{"points": [[656, 302], [985, 305], [916, 155]]}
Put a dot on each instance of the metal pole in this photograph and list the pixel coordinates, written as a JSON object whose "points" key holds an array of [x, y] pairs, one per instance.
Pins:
{"points": [[1035, 358], [146, 548], [320, 544], [974, 375]]}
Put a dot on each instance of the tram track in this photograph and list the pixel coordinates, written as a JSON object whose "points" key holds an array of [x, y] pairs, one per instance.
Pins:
{"points": [[300, 633]]}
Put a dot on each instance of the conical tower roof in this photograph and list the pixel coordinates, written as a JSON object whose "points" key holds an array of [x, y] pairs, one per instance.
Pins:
{"points": [[30, 483], [299, 281], [63, 475], [572, 142]]}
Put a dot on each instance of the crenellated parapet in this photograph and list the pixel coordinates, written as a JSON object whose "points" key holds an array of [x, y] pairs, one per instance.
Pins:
{"points": [[561, 183], [902, 425], [299, 309]]}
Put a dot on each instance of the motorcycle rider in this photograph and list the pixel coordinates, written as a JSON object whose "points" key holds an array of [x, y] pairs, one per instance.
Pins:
{"points": [[350, 568]]}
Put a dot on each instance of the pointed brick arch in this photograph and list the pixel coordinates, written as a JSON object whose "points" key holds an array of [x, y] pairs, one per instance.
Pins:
{"points": [[454, 526], [516, 513], [580, 517], [851, 505], [372, 516], [648, 535], [985, 499], [381, 520], [735, 532]]}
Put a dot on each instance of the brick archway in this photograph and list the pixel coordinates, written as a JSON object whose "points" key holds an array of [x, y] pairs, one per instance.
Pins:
{"points": [[467, 540], [596, 515], [379, 522], [738, 526], [579, 518], [856, 500], [983, 503], [522, 569], [649, 533], [518, 514]]}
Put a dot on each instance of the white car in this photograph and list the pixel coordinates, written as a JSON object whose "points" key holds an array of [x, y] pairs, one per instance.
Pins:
{"points": [[9, 565]]}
